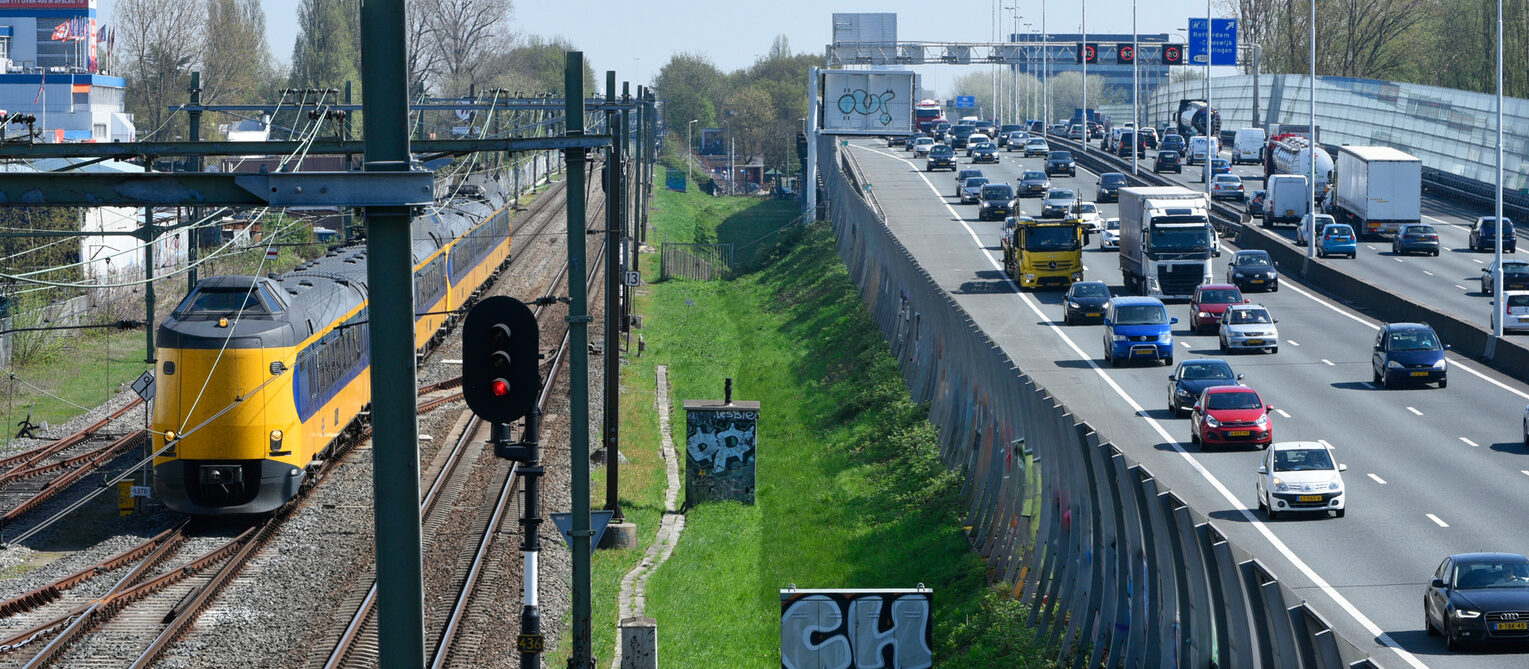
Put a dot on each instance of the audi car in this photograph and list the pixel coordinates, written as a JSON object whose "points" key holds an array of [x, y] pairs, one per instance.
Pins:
{"points": [[1061, 162], [985, 153], [1415, 238], [941, 157], [1227, 187], [1034, 183], [1478, 597], [1229, 416]]}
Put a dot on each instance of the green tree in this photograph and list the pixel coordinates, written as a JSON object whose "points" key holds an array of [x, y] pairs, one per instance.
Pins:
{"points": [[328, 48], [691, 87], [162, 41], [238, 66]]}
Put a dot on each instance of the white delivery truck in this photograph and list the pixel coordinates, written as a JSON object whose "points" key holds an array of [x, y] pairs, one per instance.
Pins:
{"points": [[1377, 189], [1166, 241], [1197, 151], [1248, 146], [1286, 199]]}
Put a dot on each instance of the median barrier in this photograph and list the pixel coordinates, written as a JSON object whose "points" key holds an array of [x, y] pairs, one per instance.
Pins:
{"points": [[1112, 563]]}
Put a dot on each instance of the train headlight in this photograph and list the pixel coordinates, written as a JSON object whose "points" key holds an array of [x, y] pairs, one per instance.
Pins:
{"points": [[222, 322], [170, 436], [276, 436]]}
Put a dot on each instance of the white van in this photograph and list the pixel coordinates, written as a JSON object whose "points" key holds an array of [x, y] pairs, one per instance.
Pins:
{"points": [[1196, 152], [1248, 146]]}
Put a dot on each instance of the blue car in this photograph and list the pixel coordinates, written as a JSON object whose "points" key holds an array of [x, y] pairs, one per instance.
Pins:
{"points": [[1338, 239], [1408, 353], [1136, 328]]}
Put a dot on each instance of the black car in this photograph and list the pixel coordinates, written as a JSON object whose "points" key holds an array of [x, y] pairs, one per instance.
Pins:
{"points": [[1085, 301], [1483, 235], [1128, 138], [997, 202], [1034, 183], [939, 130], [940, 157], [985, 153], [1252, 269], [1477, 598], [1515, 275], [1004, 131], [963, 175], [1061, 162], [1171, 142], [908, 142], [1192, 378], [1166, 161], [1110, 184], [1408, 352], [959, 134], [1256, 205]]}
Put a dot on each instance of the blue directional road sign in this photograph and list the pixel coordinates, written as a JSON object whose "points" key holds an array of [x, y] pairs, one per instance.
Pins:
{"points": [[966, 101], [1224, 42]]}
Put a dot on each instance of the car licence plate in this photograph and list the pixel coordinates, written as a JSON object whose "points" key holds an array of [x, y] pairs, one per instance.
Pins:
{"points": [[1309, 498], [1238, 433], [1092, 314], [1257, 281], [1420, 373], [1510, 626], [1255, 342]]}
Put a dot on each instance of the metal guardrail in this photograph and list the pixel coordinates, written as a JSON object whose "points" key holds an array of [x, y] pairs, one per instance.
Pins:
{"points": [[1113, 564], [1226, 219]]}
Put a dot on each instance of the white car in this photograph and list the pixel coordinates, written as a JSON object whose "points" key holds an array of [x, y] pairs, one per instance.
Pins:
{"points": [[1036, 146], [1300, 476], [1303, 231], [1088, 212], [1248, 327], [1109, 239], [1517, 305], [922, 145]]}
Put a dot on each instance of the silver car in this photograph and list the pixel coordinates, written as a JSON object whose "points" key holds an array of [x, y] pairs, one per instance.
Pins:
{"points": [[1248, 326], [1057, 201], [1034, 183]]}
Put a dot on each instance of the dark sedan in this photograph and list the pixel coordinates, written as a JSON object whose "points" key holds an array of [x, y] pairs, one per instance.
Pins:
{"points": [[1168, 161], [1057, 202], [1085, 302], [1478, 597], [1192, 378], [1034, 183], [997, 202], [985, 153], [1252, 269], [1061, 162], [1416, 238], [941, 157], [1110, 184], [1515, 275]]}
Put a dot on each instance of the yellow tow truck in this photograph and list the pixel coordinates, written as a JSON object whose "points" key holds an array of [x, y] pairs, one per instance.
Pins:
{"points": [[1044, 253]]}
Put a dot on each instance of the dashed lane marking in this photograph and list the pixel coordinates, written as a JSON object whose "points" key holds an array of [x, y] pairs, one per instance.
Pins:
{"points": [[1292, 342], [1428, 272], [1282, 413], [1329, 363], [1469, 442], [1436, 520], [1414, 410], [1378, 479]]}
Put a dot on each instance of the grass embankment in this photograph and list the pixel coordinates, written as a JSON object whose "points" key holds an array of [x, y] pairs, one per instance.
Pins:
{"points": [[850, 490]]}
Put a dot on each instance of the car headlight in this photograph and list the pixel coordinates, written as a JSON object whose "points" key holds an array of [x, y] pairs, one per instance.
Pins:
{"points": [[1182, 392], [1392, 364], [1465, 613], [1210, 421], [1439, 364], [1269, 275], [1152, 283], [1335, 484], [1166, 339], [1072, 304], [1029, 277], [1262, 420], [1279, 484], [1204, 314], [1077, 276], [1119, 337]]}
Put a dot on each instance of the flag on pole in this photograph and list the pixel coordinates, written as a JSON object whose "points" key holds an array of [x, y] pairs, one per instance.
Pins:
{"points": [[61, 31], [42, 82]]}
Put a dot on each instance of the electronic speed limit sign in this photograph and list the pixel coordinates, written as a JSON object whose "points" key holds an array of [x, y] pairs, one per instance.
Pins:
{"points": [[1125, 54]]}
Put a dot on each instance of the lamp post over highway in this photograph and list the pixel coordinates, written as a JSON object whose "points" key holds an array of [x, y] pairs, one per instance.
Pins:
{"points": [[1210, 108], [1136, 123], [1311, 177], [1499, 303]]}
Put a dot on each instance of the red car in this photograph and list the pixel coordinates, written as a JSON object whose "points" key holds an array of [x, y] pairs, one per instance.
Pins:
{"points": [[1229, 415], [1208, 302]]}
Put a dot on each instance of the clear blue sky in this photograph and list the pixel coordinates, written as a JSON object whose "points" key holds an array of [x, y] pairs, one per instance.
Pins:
{"points": [[636, 38]]}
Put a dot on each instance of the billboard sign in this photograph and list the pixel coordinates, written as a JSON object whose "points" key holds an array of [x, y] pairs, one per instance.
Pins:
{"points": [[862, 102], [47, 4], [855, 628], [966, 101], [1224, 41]]}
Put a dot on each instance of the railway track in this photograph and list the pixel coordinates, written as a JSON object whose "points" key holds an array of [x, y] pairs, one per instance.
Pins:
{"points": [[25, 481], [358, 644]]}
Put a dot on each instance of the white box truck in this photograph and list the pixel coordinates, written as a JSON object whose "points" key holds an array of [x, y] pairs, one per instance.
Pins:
{"points": [[1166, 241], [1377, 189], [1248, 146], [1286, 199]]}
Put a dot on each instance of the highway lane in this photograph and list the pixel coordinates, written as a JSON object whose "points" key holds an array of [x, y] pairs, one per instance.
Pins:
{"points": [[1450, 282], [1421, 458]]}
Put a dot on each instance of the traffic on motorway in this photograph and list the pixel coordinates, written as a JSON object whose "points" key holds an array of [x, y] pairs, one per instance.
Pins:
{"points": [[1365, 419]]}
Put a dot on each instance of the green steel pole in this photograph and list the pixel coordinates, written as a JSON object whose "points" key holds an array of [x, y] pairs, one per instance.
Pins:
{"points": [[615, 210], [578, 362], [641, 203], [347, 220], [193, 236], [148, 276], [390, 281]]}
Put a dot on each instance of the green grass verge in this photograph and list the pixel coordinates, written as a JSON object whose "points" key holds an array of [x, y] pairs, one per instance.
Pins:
{"points": [[850, 489], [83, 369]]}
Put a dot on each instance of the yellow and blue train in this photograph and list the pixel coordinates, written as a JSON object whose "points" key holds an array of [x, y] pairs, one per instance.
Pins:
{"points": [[258, 376]]}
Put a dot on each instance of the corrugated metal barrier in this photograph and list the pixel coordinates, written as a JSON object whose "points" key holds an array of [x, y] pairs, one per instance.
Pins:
{"points": [[1117, 569]]}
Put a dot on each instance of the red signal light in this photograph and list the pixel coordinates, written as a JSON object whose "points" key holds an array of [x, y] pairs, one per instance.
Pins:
{"points": [[499, 387]]}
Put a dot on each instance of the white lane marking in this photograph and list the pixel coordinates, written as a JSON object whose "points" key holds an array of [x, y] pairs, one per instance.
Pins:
{"points": [[1396, 259], [1370, 246], [1436, 520], [1247, 514], [1428, 272], [1414, 410], [1185, 343], [1437, 220], [1329, 362], [1371, 385], [1477, 261], [1469, 442], [1282, 413], [1525, 472], [1292, 342], [1378, 479], [1461, 287]]}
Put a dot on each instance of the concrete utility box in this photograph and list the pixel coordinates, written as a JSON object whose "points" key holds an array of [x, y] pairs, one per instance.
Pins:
{"points": [[720, 443]]}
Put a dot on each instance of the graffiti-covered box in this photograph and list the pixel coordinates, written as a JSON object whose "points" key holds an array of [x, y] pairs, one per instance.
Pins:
{"points": [[857, 628], [720, 442]]}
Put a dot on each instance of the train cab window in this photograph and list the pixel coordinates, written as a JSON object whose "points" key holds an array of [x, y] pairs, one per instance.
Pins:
{"points": [[272, 298], [219, 301]]}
